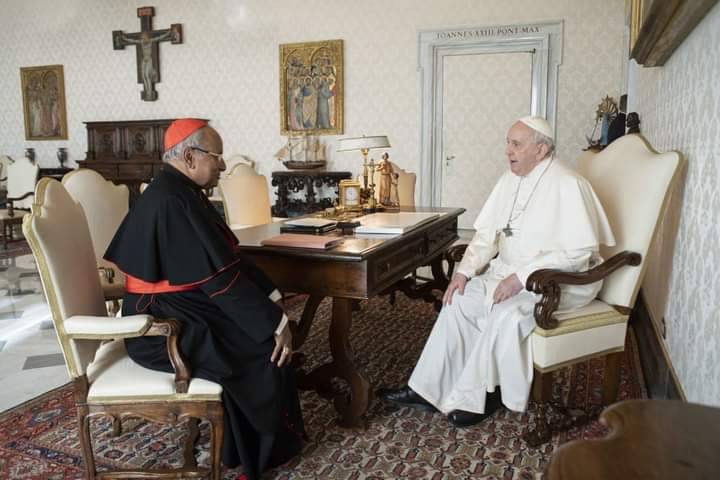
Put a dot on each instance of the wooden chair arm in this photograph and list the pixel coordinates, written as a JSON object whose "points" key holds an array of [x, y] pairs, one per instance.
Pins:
{"points": [[10, 200], [170, 328], [454, 255], [547, 281]]}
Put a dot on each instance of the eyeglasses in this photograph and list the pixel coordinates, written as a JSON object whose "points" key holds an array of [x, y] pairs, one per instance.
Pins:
{"points": [[218, 156]]}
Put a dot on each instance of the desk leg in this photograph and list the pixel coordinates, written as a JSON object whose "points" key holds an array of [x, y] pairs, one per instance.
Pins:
{"points": [[353, 407], [350, 407]]}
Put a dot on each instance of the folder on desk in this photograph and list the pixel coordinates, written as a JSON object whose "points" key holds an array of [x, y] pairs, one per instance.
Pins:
{"points": [[302, 240]]}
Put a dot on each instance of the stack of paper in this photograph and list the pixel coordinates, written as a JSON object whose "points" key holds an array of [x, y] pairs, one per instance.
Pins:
{"points": [[393, 223]]}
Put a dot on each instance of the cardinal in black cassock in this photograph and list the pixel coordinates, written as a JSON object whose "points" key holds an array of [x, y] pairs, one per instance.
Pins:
{"points": [[181, 261]]}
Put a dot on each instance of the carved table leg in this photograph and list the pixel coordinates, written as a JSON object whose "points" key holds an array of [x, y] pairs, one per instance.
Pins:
{"points": [[300, 332], [352, 407]]}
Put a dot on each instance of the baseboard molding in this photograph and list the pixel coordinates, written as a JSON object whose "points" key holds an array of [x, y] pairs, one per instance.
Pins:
{"points": [[660, 378]]}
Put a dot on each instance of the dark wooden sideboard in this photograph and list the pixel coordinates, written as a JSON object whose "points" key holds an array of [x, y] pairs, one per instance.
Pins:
{"points": [[304, 182], [126, 151]]}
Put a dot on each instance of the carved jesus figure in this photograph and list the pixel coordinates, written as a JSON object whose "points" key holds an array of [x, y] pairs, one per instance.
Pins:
{"points": [[145, 40]]}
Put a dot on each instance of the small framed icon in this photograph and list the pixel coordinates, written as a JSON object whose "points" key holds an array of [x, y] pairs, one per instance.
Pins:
{"points": [[349, 195]]}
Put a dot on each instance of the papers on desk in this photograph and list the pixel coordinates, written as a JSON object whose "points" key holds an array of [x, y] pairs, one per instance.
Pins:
{"points": [[301, 240], [393, 223]]}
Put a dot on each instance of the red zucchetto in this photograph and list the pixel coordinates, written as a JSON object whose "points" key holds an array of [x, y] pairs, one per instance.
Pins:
{"points": [[180, 129]]}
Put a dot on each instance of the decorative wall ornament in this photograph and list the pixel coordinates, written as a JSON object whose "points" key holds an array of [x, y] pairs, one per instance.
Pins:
{"points": [[43, 90], [146, 49], [311, 88]]}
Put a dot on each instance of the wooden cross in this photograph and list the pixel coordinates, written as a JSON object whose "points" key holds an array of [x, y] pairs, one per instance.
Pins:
{"points": [[146, 49]]}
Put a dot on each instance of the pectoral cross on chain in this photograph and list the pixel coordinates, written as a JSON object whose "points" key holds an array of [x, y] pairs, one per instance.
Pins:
{"points": [[146, 49], [507, 231]]}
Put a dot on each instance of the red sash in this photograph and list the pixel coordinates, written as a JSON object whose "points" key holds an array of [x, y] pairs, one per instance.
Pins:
{"points": [[135, 285]]}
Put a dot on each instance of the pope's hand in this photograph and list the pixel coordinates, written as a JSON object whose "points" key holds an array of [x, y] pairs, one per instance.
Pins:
{"points": [[457, 283], [282, 353], [509, 287]]}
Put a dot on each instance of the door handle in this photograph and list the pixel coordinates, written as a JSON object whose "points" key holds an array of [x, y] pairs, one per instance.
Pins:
{"points": [[447, 160]]}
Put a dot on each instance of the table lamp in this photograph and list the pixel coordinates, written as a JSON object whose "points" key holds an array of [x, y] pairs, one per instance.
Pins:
{"points": [[364, 144]]}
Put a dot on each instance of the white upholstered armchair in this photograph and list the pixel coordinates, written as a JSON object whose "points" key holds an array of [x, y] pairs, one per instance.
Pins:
{"points": [[633, 183], [246, 200], [106, 380], [22, 175], [105, 205]]}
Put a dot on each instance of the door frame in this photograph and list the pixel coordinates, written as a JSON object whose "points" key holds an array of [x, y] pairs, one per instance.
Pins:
{"points": [[543, 40]]}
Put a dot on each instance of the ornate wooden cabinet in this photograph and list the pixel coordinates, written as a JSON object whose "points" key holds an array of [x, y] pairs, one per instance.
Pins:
{"points": [[127, 151]]}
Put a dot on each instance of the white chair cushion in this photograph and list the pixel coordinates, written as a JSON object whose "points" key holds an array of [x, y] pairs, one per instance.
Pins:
{"points": [[116, 378], [594, 329], [85, 326]]}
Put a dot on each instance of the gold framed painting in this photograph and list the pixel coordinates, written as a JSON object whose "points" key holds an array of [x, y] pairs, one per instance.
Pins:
{"points": [[43, 90], [311, 88]]}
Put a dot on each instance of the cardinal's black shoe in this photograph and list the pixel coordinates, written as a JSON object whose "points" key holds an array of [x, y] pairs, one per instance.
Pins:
{"points": [[406, 396]]}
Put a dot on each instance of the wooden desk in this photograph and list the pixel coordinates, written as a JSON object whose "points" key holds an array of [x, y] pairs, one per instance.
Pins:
{"points": [[649, 439], [358, 269]]}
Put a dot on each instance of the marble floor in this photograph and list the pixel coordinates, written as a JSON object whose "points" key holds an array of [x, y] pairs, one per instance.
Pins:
{"points": [[30, 358]]}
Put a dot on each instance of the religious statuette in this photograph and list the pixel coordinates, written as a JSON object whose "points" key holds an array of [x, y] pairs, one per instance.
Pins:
{"points": [[146, 48], [606, 112]]}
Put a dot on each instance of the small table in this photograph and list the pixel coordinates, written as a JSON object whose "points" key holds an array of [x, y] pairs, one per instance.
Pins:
{"points": [[304, 180], [8, 223], [649, 439]]}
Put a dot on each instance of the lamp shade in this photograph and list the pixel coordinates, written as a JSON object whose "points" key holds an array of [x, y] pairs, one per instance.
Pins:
{"points": [[361, 143]]}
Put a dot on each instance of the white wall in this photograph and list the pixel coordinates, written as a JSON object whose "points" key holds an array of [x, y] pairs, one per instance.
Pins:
{"points": [[679, 107], [227, 67]]}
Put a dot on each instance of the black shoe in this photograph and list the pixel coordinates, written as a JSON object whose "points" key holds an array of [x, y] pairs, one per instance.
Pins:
{"points": [[461, 418], [406, 396]]}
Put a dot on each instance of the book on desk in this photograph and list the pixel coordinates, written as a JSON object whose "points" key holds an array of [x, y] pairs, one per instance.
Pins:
{"points": [[308, 225]]}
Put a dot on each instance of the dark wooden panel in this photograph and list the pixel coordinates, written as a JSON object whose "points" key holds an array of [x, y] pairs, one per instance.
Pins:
{"points": [[141, 142], [104, 143], [135, 170], [656, 368]]}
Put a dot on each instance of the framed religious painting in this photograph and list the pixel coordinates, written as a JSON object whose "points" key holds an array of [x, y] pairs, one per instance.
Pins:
{"points": [[43, 91], [311, 88]]}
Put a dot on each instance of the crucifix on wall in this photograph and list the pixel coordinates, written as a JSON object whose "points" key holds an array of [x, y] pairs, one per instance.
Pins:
{"points": [[146, 49]]}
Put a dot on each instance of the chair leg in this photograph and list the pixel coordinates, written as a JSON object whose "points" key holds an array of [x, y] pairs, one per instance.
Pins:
{"points": [[85, 441], [193, 434], [611, 380], [116, 426], [542, 394], [215, 417]]}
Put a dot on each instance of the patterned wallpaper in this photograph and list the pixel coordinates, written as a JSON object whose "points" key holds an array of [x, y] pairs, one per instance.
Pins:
{"points": [[679, 107], [479, 159], [227, 67]]}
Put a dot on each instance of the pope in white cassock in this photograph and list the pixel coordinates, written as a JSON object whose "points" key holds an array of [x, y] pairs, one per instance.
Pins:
{"points": [[540, 214]]}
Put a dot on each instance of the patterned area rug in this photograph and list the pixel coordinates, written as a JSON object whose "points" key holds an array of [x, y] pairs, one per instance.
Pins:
{"points": [[38, 439]]}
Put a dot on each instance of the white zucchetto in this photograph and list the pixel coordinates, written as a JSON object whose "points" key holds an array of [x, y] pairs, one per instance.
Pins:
{"points": [[539, 124]]}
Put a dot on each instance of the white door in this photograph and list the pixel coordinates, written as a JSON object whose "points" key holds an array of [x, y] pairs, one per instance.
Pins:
{"points": [[482, 95]]}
